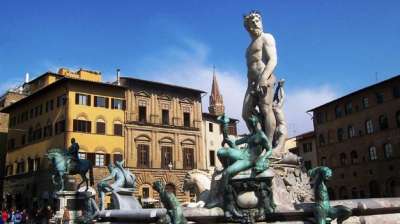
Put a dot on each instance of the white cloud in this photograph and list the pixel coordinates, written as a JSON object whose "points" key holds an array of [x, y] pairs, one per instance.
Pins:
{"points": [[300, 100], [187, 66]]}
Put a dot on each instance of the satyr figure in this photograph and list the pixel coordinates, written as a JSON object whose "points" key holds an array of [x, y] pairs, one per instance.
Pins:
{"points": [[123, 179], [261, 61], [235, 160], [171, 203], [323, 212]]}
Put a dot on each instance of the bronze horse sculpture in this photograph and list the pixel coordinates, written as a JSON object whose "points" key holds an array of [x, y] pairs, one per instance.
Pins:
{"points": [[60, 159]]}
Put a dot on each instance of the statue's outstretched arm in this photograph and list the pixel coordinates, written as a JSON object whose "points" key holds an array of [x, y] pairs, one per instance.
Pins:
{"points": [[242, 140], [109, 177]]}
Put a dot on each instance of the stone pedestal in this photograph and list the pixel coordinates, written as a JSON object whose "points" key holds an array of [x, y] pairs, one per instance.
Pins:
{"points": [[123, 199], [75, 201]]}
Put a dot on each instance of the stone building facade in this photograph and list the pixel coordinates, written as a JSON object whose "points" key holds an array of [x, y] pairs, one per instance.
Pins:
{"points": [[7, 99], [304, 145], [60, 106], [163, 134], [358, 135]]}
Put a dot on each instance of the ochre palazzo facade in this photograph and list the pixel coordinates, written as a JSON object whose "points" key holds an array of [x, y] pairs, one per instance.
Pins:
{"points": [[162, 134]]}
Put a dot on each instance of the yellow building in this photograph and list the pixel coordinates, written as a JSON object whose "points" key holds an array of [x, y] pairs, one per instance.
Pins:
{"points": [[61, 106]]}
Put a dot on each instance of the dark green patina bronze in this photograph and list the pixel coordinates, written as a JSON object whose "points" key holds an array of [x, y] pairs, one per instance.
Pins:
{"points": [[323, 211], [68, 163], [171, 203]]}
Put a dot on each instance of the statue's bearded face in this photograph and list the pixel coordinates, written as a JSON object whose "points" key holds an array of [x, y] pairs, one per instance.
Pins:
{"points": [[253, 24]]}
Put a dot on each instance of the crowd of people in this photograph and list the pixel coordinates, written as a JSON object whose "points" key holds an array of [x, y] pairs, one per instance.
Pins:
{"points": [[16, 216]]}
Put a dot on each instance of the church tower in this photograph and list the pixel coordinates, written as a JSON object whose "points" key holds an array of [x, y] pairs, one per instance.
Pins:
{"points": [[216, 102]]}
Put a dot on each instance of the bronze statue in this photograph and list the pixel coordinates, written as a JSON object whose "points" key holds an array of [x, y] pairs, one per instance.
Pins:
{"points": [[323, 212], [171, 203], [123, 179]]}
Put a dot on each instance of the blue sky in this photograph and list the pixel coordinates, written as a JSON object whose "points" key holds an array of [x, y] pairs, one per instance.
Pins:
{"points": [[325, 48]]}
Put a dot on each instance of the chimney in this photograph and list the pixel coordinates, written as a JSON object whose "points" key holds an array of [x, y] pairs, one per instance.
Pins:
{"points": [[27, 77], [118, 76]]}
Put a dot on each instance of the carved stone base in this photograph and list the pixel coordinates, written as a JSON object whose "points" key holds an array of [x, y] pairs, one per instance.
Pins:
{"points": [[74, 200], [123, 199]]}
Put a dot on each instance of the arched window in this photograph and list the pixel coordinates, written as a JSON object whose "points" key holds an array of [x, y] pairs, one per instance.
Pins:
{"points": [[383, 122], [398, 118], [343, 193], [354, 157], [340, 134], [166, 159], [351, 131], [117, 157], [343, 159], [354, 192], [369, 127], [388, 150], [374, 189], [188, 158], [321, 139], [118, 128], [372, 153], [100, 126], [81, 124]]}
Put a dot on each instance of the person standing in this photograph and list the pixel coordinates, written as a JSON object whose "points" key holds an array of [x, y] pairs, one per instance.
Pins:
{"points": [[4, 216], [66, 217]]}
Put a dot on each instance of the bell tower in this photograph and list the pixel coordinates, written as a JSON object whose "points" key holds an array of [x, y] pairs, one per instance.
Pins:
{"points": [[216, 102]]}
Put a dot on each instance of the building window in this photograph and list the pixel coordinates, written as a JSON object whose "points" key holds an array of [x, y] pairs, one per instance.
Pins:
{"points": [[59, 127], [117, 104], [398, 118], [338, 112], [321, 140], [118, 129], [100, 127], [383, 122], [142, 111], [353, 157], [212, 158], [11, 143], [37, 134], [307, 147], [166, 153], [396, 91], [232, 129], [340, 134], [82, 126], [307, 164], [23, 139], [100, 159], [343, 159], [369, 127], [379, 98], [351, 131], [143, 156], [388, 150], [165, 117], [210, 127], [186, 119], [323, 161], [48, 131], [349, 108], [145, 192], [101, 101], [372, 153], [80, 99], [319, 118], [188, 158], [82, 155]]}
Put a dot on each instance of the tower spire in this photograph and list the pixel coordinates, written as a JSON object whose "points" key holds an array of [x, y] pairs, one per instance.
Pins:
{"points": [[216, 101]]}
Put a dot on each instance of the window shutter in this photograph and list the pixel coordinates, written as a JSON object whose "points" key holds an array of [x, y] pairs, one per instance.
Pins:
{"points": [[76, 99], [112, 103], [107, 101], [75, 128], [123, 104], [89, 126], [89, 99], [91, 158], [107, 160]]}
